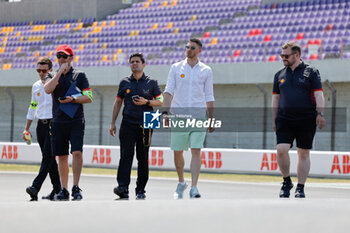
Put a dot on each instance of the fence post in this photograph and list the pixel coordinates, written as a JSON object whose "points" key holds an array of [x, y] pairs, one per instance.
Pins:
{"points": [[101, 116], [12, 96], [262, 89], [334, 104]]}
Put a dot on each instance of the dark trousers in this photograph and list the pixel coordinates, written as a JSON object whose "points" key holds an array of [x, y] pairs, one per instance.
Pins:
{"points": [[129, 136], [48, 162]]}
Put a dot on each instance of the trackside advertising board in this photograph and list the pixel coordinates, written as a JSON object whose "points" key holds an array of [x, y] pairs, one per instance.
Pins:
{"points": [[323, 163]]}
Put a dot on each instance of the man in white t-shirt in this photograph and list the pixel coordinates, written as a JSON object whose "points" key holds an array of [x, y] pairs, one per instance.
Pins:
{"points": [[189, 93]]}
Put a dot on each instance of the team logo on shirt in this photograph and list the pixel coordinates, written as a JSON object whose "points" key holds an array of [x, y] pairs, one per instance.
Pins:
{"points": [[282, 80], [38, 94], [127, 91], [182, 75]]}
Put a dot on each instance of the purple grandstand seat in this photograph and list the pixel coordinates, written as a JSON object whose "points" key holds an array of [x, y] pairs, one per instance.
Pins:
{"points": [[237, 59], [346, 55], [219, 60]]}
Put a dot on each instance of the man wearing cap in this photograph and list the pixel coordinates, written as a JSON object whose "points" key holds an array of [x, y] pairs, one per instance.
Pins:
{"points": [[68, 125]]}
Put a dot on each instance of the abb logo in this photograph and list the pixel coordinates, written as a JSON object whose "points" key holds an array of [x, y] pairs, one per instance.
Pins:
{"points": [[211, 162], [157, 158], [102, 156], [273, 165], [337, 166], [9, 152]]}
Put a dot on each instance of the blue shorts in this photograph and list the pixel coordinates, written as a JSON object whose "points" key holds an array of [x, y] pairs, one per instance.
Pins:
{"points": [[65, 132]]}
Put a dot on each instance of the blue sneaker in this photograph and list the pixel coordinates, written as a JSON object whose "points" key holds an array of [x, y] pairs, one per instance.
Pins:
{"points": [[122, 192], [178, 194], [299, 192], [285, 189], [140, 195], [51, 196], [76, 194], [194, 193], [63, 195]]}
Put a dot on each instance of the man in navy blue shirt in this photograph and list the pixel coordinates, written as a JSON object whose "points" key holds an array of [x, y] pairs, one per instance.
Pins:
{"points": [[298, 107], [68, 122], [139, 93]]}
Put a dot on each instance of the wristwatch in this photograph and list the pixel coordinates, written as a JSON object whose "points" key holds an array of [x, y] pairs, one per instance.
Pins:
{"points": [[148, 102], [74, 98], [321, 114]]}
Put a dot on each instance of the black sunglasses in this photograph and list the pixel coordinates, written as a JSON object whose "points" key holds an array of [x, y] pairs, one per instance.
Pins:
{"points": [[41, 71], [65, 56], [190, 47], [286, 55]]}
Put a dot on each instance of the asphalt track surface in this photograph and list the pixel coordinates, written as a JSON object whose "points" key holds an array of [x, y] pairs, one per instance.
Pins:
{"points": [[224, 207]]}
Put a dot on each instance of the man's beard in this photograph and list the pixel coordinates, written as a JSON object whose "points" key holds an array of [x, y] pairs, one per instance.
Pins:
{"points": [[135, 70], [189, 56], [287, 64]]}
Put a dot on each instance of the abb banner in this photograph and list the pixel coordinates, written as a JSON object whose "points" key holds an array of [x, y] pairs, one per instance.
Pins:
{"points": [[323, 163]]}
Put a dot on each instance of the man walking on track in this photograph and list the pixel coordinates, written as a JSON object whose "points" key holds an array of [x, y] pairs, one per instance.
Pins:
{"points": [[41, 108], [298, 107]]}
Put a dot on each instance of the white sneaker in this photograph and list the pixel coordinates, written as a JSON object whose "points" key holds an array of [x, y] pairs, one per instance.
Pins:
{"points": [[178, 194], [194, 193]]}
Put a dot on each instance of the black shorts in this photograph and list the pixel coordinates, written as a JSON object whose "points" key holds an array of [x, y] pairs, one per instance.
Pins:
{"points": [[65, 132], [301, 130]]}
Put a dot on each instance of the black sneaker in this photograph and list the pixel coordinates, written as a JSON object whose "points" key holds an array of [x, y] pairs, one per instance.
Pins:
{"points": [[122, 192], [63, 195], [285, 189], [140, 195], [76, 194], [50, 196], [33, 192], [299, 192]]}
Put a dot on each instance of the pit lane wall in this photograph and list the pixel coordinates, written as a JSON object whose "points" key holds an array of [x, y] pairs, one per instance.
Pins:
{"points": [[323, 163]]}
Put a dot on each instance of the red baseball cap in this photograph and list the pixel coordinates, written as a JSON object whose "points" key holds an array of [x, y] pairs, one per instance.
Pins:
{"points": [[65, 49]]}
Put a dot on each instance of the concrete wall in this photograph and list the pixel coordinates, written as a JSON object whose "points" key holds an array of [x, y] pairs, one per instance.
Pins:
{"points": [[29, 10], [334, 70]]}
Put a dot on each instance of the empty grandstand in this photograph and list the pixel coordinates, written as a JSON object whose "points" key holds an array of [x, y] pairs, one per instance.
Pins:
{"points": [[233, 31]]}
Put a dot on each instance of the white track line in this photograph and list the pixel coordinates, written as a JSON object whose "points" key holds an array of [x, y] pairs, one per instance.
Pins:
{"points": [[314, 185]]}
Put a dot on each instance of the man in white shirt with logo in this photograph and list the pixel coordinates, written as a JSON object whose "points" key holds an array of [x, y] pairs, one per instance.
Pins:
{"points": [[189, 86], [41, 108]]}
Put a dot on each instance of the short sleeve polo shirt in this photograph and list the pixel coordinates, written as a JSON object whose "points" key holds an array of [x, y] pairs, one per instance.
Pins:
{"points": [[145, 87], [61, 89], [296, 89]]}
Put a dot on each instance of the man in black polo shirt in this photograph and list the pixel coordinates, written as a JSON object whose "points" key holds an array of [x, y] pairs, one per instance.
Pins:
{"points": [[298, 105], [139, 93], [68, 122]]}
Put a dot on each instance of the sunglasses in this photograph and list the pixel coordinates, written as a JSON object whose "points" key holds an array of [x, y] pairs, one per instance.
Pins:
{"points": [[190, 47], [41, 71], [65, 56], [286, 55]]}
